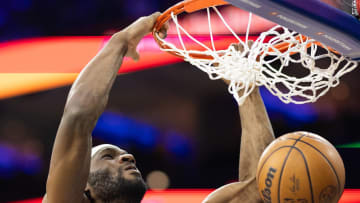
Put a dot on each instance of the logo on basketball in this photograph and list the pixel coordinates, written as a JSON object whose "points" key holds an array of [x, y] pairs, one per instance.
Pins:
{"points": [[289, 200], [327, 194], [300, 167], [268, 183], [295, 184]]}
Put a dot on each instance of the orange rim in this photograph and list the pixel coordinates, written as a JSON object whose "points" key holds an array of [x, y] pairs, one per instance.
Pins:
{"points": [[190, 6]]}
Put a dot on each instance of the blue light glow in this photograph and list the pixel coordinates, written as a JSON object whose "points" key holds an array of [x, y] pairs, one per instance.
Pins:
{"points": [[304, 113], [178, 145], [31, 164], [121, 130], [141, 7], [21, 5], [13, 160], [4, 15], [7, 159]]}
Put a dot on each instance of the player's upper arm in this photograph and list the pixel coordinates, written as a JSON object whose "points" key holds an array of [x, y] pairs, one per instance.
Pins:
{"points": [[70, 160]]}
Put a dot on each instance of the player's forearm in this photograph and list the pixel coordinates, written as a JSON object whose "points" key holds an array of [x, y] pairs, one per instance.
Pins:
{"points": [[90, 91], [257, 133], [253, 114]]}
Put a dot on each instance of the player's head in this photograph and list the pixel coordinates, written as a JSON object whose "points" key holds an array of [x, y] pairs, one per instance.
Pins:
{"points": [[114, 175]]}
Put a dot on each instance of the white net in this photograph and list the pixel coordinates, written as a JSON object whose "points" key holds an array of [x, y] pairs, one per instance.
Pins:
{"points": [[301, 73]]}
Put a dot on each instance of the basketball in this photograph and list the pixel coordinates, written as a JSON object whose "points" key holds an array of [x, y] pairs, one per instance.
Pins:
{"points": [[300, 167]]}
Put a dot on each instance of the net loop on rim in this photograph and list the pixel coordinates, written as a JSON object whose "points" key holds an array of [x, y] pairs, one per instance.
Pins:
{"points": [[293, 67]]}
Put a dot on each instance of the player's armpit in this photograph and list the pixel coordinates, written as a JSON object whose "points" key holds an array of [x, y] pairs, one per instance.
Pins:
{"points": [[235, 192]]}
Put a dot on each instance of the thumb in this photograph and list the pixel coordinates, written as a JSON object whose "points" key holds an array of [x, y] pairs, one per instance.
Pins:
{"points": [[133, 54]]}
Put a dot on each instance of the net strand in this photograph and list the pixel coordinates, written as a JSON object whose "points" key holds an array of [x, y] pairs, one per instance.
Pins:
{"points": [[210, 28], [248, 28], [301, 74]]}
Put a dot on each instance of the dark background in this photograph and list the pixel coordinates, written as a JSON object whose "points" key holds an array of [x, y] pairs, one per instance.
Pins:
{"points": [[172, 118]]}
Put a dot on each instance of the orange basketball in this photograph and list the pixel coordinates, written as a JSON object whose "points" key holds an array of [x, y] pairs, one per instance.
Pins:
{"points": [[300, 167]]}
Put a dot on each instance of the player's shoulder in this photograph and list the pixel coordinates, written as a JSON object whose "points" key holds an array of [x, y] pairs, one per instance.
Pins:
{"points": [[84, 199]]}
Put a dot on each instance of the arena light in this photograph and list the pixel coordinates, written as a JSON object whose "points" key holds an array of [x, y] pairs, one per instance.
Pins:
{"points": [[198, 195], [33, 65], [197, 23], [37, 64]]}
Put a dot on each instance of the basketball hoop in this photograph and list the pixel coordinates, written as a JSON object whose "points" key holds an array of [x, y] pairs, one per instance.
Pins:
{"points": [[293, 67]]}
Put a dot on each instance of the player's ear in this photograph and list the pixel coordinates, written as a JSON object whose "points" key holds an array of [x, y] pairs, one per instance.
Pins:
{"points": [[88, 191], [88, 187]]}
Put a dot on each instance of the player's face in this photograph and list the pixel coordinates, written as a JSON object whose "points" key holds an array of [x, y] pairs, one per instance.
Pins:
{"points": [[114, 175], [118, 162]]}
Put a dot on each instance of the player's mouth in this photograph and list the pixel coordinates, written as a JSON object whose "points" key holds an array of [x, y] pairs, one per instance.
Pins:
{"points": [[131, 168]]}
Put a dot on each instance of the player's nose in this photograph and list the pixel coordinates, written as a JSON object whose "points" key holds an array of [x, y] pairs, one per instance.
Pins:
{"points": [[127, 158]]}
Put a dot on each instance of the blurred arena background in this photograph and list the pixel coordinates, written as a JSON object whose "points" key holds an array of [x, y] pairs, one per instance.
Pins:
{"points": [[182, 128]]}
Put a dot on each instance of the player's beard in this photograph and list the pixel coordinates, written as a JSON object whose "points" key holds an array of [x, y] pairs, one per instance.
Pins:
{"points": [[111, 189]]}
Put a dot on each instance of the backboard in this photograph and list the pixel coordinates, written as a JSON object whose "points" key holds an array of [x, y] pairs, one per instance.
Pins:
{"points": [[320, 20]]}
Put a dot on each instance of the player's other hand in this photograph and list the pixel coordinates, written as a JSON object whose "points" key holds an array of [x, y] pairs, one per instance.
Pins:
{"points": [[238, 47], [137, 30]]}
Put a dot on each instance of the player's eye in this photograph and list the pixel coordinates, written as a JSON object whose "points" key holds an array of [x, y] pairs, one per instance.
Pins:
{"points": [[107, 156]]}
